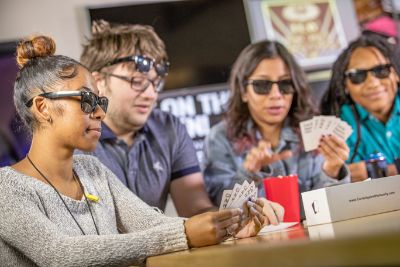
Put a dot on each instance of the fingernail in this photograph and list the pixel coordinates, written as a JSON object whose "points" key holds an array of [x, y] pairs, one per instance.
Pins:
{"points": [[240, 210], [253, 199], [250, 204]]}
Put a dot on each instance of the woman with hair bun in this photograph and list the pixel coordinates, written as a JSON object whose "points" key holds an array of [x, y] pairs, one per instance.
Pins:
{"points": [[60, 209]]}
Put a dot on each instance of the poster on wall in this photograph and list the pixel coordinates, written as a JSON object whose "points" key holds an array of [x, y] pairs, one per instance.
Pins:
{"points": [[197, 108], [311, 30]]}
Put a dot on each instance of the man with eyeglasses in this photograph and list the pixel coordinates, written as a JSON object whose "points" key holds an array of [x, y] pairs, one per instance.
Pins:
{"points": [[149, 150]]}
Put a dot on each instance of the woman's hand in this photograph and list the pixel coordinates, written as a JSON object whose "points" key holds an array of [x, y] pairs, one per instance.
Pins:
{"points": [[335, 152], [258, 213], [212, 227], [260, 156]]}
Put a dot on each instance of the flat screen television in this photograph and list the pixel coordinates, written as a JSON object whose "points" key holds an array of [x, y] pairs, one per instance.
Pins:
{"points": [[203, 37]]}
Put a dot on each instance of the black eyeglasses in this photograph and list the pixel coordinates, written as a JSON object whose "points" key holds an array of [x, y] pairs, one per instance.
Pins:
{"points": [[140, 84], [143, 64], [89, 100], [263, 87], [358, 76]]}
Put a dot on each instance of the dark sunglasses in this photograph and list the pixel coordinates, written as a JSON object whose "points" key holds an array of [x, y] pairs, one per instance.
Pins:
{"points": [[143, 64], [263, 87], [140, 84], [89, 100], [358, 76]]}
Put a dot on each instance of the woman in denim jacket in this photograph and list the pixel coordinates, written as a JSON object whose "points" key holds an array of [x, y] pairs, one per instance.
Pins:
{"points": [[260, 135]]}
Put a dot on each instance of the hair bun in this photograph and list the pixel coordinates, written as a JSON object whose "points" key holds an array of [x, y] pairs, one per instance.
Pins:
{"points": [[33, 47]]}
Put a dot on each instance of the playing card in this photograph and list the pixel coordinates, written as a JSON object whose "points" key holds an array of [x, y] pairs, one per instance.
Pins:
{"points": [[226, 195], [331, 124], [235, 192], [241, 197], [313, 129], [325, 123], [254, 192], [307, 128], [238, 195]]}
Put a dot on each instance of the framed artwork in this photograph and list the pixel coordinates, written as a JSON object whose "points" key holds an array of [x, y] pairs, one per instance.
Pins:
{"points": [[311, 30]]}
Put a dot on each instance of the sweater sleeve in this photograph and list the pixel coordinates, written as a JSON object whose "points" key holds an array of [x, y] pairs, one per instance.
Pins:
{"points": [[25, 227]]}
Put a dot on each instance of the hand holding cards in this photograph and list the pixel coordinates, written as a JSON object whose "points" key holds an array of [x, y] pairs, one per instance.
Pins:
{"points": [[238, 195], [312, 130]]}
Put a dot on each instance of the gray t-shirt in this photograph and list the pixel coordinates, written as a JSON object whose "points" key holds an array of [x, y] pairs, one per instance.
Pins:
{"points": [[37, 229], [162, 151]]}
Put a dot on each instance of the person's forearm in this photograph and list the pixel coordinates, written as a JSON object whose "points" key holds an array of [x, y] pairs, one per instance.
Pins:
{"points": [[358, 171], [392, 170], [199, 205]]}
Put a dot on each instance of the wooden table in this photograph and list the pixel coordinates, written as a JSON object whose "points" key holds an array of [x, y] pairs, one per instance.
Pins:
{"points": [[367, 241]]}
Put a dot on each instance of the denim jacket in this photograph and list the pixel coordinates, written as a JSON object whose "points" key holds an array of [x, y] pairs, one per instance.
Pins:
{"points": [[222, 167]]}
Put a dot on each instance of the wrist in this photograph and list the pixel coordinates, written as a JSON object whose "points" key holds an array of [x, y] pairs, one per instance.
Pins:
{"points": [[186, 233], [332, 170]]}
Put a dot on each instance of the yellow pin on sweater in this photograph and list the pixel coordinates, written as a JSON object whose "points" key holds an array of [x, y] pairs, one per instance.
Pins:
{"points": [[92, 198]]}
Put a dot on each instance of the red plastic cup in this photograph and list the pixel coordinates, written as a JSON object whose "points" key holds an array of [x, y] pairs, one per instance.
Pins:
{"points": [[285, 191]]}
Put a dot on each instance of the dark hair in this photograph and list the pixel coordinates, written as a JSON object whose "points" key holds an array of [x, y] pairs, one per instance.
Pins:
{"points": [[110, 42], [40, 70], [336, 94], [238, 112]]}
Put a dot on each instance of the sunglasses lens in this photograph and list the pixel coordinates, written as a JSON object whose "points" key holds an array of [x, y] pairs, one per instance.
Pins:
{"points": [[103, 103], [143, 64], [357, 77], [262, 87], [162, 69], [88, 102], [382, 72], [286, 87]]}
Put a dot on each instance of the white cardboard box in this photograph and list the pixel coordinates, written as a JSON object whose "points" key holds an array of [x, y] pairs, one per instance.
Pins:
{"points": [[347, 201]]}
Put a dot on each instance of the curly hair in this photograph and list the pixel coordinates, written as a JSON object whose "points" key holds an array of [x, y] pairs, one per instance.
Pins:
{"points": [[238, 113]]}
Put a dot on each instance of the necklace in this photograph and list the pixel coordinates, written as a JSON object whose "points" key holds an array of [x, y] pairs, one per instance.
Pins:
{"points": [[65, 204]]}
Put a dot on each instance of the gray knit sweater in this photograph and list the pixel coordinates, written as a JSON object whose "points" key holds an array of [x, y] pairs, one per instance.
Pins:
{"points": [[36, 228]]}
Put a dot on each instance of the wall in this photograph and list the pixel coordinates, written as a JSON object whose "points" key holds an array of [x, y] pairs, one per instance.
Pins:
{"points": [[65, 20]]}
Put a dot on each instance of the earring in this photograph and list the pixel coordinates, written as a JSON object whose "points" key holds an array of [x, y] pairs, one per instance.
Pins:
{"points": [[50, 120]]}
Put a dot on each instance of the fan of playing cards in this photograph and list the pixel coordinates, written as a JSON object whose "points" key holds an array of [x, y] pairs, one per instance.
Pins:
{"points": [[312, 130], [238, 195]]}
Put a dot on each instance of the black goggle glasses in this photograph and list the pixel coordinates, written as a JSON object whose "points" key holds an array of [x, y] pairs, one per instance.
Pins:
{"points": [[143, 64], [89, 100], [263, 87], [358, 76]]}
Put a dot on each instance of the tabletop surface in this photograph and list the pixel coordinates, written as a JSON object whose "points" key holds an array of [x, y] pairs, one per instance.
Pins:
{"points": [[367, 241]]}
